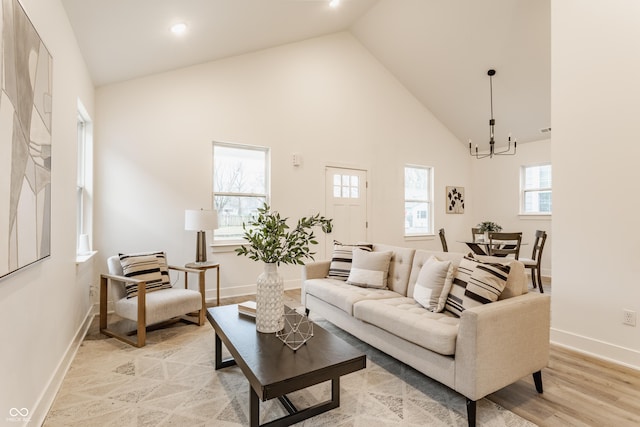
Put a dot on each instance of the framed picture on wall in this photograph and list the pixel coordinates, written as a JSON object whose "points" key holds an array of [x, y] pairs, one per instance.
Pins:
{"points": [[25, 141], [455, 200]]}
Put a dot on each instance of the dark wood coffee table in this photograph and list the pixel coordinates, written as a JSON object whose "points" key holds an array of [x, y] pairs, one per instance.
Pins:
{"points": [[273, 369]]}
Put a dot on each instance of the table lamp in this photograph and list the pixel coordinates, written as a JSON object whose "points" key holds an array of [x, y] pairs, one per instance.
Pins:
{"points": [[200, 221]]}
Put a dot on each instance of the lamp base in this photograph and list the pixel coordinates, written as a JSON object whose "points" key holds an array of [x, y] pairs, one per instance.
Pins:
{"points": [[201, 247]]}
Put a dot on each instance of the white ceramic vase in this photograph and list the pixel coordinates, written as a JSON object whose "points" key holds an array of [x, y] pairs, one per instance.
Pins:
{"points": [[269, 300]]}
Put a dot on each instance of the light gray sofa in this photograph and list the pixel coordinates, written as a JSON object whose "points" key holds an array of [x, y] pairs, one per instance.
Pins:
{"points": [[486, 349]]}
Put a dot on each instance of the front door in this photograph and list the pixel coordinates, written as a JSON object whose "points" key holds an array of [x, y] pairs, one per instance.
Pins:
{"points": [[346, 203]]}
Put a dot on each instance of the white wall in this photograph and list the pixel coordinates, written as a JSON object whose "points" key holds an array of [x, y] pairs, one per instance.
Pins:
{"points": [[496, 196], [43, 307], [326, 98], [595, 152]]}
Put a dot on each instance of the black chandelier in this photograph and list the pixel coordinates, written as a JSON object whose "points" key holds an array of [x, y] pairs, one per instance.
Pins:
{"points": [[492, 122]]}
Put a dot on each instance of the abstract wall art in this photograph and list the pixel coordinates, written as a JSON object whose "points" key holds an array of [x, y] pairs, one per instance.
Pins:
{"points": [[25, 141], [455, 200]]}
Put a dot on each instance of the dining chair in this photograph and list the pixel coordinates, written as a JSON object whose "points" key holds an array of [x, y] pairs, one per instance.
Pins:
{"points": [[536, 259], [503, 244], [443, 240], [475, 232]]}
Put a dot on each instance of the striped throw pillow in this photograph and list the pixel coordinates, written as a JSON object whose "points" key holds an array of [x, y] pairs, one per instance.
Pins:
{"points": [[342, 258], [475, 283], [143, 267]]}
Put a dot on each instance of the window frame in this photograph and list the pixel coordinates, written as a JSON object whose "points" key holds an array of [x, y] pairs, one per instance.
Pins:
{"points": [[216, 241], [84, 183], [429, 200], [523, 190]]}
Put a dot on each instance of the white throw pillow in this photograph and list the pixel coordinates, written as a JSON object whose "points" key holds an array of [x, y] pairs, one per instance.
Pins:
{"points": [[369, 269], [341, 259], [433, 284]]}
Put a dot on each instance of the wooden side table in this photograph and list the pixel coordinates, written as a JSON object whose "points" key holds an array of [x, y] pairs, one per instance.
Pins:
{"points": [[206, 266]]}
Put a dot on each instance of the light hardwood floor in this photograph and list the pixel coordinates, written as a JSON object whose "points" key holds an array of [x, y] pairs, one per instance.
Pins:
{"points": [[578, 390]]}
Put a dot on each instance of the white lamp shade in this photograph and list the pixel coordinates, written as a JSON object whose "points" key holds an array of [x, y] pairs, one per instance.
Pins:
{"points": [[200, 219]]}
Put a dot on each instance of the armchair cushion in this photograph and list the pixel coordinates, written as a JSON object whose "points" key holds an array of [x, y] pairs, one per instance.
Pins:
{"points": [[143, 267], [161, 306]]}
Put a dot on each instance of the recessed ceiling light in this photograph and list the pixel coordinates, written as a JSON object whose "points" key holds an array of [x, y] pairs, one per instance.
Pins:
{"points": [[334, 3], [179, 28]]}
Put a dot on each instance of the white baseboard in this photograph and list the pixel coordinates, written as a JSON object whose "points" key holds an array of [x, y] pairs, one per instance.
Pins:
{"points": [[245, 290], [47, 397], [598, 349], [226, 292]]}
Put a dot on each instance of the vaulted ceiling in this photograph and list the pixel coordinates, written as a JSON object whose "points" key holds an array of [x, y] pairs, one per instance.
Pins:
{"points": [[439, 50]]}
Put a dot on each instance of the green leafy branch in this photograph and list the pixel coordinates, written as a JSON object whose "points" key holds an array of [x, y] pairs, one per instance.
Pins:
{"points": [[271, 240], [489, 226]]}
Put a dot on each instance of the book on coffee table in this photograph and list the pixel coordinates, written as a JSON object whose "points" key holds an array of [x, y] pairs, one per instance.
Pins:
{"points": [[247, 308]]}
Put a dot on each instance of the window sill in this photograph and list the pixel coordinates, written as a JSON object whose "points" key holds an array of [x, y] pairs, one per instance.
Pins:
{"points": [[419, 237], [82, 258], [539, 216], [223, 247]]}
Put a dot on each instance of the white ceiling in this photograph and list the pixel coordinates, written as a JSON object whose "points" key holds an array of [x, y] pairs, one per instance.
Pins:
{"points": [[440, 50]]}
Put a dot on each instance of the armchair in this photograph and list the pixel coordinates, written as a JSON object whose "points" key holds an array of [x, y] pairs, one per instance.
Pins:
{"points": [[142, 301]]}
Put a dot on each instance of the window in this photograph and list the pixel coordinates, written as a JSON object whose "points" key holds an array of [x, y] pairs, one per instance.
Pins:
{"points": [[346, 186], [418, 205], [80, 178], [240, 186], [84, 176], [535, 189]]}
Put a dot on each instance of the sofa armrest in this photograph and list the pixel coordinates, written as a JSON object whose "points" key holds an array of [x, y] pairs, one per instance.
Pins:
{"points": [[312, 270], [501, 342], [315, 270]]}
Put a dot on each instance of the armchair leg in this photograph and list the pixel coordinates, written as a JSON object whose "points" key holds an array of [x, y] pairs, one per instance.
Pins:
{"points": [[537, 379], [104, 329], [471, 412]]}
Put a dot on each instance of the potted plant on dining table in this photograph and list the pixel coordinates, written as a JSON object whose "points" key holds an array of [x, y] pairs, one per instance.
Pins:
{"points": [[271, 241], [488, 226]]}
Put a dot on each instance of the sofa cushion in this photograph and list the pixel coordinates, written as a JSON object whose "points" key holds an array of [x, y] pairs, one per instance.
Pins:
{"points": [[433, 284], [342, 257], [476, 283], [408, 320], [399, 268], [341, 295], [369, 269]]}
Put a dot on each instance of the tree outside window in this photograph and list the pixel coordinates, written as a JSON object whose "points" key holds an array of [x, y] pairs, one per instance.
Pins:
{"points": [[240, 186]]}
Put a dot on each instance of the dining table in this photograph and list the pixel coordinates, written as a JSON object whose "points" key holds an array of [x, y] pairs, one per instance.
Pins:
{"points": [[481, 247]]}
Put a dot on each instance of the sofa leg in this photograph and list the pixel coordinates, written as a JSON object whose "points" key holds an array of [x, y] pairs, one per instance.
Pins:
{"points": [[471, 412], [306, 312], [537, 379]]}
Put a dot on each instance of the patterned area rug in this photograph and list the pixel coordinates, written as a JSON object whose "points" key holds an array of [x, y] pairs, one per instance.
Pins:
{"points": [[172, 382]]}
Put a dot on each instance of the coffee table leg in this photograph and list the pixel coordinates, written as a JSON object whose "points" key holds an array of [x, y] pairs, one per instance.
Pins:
{"points": [[254, 408], [219, 362]]}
